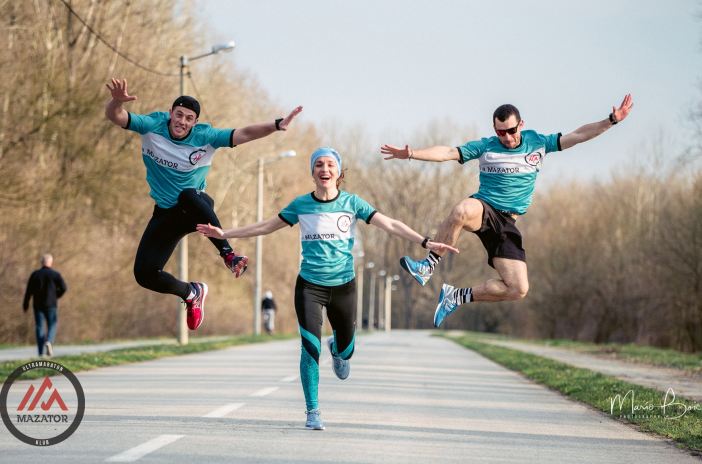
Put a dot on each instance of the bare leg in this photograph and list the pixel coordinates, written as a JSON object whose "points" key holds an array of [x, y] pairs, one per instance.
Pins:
{"points": [[513, 283], [467, 214]]}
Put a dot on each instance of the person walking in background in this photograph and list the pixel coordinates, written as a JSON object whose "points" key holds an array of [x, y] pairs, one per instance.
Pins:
{"points": [[509, 163], [268, 308], [45, 287], [177, 152], [327, 218]]}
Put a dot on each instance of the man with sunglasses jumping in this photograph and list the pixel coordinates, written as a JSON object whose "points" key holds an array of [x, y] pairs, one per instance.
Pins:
{"points": [[509, 163]]}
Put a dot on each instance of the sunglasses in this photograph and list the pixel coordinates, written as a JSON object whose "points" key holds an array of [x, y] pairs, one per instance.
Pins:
{"points": [[510, 131]]}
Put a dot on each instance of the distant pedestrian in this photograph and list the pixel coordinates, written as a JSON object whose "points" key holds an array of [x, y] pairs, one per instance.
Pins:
{"points": [[45, 286], [268, 308]]}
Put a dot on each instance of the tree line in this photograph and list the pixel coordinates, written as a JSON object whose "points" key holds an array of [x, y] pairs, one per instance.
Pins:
{"points": [[75, 185], [617, 260]]}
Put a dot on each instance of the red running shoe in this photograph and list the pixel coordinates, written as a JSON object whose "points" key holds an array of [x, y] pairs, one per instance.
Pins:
{"points": [[195, 307], [236, 263]]}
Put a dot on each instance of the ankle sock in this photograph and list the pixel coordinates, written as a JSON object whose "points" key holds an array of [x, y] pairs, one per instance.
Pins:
{"points": [[433, 260], [193, 292], [462, 295]]}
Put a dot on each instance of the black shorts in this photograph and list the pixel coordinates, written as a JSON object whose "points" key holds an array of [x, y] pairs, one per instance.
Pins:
{"points": [[500, 235]]}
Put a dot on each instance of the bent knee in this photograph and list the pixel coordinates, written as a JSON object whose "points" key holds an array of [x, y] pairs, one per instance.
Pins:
{"points": [[144, 275], [518, 292], [461, 214], [467, 213]]}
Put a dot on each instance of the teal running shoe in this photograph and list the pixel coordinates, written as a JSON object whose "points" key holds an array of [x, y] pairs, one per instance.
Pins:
{"points": [[342, 367], [446, 305], [420, 270], [314, 421]]}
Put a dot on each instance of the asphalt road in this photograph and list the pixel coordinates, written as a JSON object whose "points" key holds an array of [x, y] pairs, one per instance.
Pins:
{"points": [[410, 398]]}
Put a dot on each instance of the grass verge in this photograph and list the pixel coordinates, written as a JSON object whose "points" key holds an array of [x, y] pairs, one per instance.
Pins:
{"points": [[691, 362], [650, 410], [86, 361], [651, 355]]}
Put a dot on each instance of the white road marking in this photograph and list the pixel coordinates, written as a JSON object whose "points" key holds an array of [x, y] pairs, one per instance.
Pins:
{"points": [[150, 446], [264, 391], [224, 410], [142, 450]]}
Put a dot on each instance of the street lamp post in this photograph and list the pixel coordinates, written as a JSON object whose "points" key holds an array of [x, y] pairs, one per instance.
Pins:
{"points": [[388, 299], [358, 254], [359, 297], [372, 301], [371, 295], [183, 245], [259, 238], [381, 298]]}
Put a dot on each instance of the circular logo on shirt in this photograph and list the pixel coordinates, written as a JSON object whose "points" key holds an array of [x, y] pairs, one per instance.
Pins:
{"points": [[533, 159], [344, 223], [196, 156]]}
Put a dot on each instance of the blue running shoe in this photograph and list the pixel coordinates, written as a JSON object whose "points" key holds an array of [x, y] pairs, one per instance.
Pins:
{"points": [[420, 270], [446, 305], [314, 421], [342, 367]]}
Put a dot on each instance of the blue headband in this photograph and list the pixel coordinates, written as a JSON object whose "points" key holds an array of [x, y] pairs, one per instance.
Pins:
{"points": [[325, 151]]}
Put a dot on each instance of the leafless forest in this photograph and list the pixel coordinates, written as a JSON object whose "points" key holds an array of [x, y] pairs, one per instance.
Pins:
{"points": [[617, 260]]}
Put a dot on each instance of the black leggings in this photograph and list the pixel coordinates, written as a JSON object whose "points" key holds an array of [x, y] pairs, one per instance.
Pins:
{"points": [[340, 302], [165, 229]]}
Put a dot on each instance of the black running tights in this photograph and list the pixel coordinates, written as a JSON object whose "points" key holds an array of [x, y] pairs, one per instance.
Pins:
{"points": [[165, 229]]}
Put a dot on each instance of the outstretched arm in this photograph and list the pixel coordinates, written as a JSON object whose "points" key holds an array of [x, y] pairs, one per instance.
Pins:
{"points": [[252, 230], [402, 230], [114, 110], [592, 130], [257, 131], [437, 153]]}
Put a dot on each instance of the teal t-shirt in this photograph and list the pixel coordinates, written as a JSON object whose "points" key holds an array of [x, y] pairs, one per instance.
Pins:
{"points": [[508, 175], [173, 165], [327, 232]]}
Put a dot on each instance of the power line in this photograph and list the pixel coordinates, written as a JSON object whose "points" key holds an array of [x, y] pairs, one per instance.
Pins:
{"points": [[111, 47], [197, 94]]}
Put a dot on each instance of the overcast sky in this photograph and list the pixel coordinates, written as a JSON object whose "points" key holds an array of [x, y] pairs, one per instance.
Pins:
{"points": [[393, 66]]}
